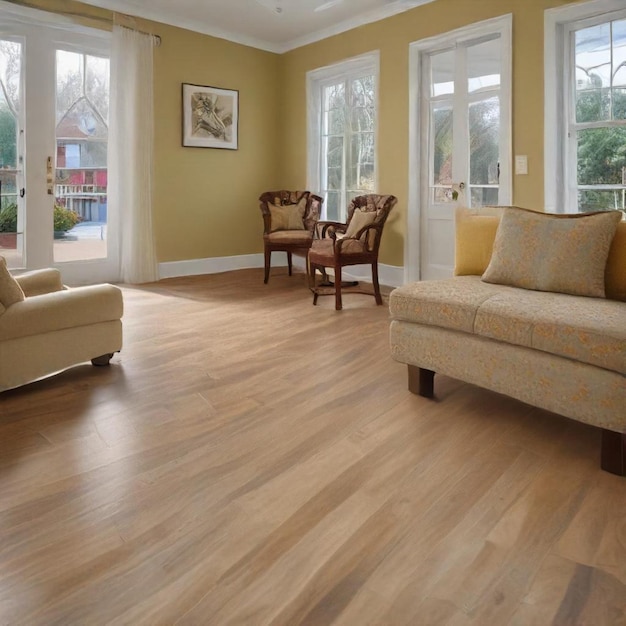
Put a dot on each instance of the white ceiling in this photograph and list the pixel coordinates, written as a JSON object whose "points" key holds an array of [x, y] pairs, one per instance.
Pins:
{"points": [[273, 25]]}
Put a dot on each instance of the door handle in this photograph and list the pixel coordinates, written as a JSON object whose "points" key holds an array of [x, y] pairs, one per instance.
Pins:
{"points": [[49, 177]]}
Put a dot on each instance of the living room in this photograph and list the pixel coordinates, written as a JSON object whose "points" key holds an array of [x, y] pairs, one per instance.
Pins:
{"points": [[250, 458]]}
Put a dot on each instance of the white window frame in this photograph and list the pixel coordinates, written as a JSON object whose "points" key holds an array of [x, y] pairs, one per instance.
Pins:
{"points": [[560, 159], [316, 81]]}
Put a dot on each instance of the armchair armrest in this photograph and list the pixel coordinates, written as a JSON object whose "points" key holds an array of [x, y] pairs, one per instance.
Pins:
{"points": [[58, 310], [330, 227], [39, 282]]}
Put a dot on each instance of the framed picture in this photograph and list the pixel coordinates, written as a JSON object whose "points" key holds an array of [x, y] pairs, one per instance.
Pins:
{"points": [[210, 117]]}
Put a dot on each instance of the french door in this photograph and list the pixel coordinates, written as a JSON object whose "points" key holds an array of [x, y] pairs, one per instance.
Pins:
{"points": [[465, 135], [54, 98]]}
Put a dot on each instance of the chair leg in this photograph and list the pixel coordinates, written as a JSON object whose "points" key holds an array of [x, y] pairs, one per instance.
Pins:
{"points": [[268, 258], [289, 264], [338, 305], [379, 298], [312, 286]]}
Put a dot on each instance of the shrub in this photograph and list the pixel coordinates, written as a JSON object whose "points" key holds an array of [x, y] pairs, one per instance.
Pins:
{"points": [[8, 219], [64, 219]]}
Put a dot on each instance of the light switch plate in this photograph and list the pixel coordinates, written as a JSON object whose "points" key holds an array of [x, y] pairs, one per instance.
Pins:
{"points": [[521, 164]]}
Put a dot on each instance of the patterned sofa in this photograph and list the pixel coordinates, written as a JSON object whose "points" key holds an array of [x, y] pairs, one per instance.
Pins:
{"points": [[563, 352]]}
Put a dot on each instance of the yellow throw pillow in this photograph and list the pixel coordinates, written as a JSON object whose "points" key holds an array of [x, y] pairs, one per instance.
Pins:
{"points": [[361, 219], [615, 274], [475, 234], [548, 252], [288, 216], [10, 290]]}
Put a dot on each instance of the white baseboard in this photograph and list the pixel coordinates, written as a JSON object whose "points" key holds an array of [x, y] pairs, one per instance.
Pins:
{"points": [[389, 275], [213, 265]]}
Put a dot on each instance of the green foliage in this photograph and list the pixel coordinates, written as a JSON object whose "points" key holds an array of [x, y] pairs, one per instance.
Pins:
{"points": [[8, 138], [8, 219], [64, 219]]}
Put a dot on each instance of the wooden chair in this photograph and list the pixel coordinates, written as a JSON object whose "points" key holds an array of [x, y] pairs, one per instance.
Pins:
{"points": [[289, 219], [354, 243]]}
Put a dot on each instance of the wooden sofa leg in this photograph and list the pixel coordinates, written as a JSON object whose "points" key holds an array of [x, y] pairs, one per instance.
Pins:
{"points": [[421, 381], [613, 456], [102, 360]]}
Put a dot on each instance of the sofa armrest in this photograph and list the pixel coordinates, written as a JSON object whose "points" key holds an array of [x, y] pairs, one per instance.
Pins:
{"points": [[58, 310], [39, 282]]}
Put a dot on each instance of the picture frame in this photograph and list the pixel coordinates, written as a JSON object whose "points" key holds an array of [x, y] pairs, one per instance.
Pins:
{"points": [[210, 117]]}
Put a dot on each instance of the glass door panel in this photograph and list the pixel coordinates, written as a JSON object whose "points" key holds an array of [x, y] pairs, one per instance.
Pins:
{"points": [[484, 148], [82, 107]]}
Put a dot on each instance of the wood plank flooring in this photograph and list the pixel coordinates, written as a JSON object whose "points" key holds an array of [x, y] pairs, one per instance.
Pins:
{"points": [[251, 459]]}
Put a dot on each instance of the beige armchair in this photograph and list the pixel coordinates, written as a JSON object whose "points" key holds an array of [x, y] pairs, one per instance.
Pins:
{"points": [[46, 327]]}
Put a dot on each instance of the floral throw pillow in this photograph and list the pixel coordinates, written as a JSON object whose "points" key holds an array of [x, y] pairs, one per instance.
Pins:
{"points": [[548, 252]]}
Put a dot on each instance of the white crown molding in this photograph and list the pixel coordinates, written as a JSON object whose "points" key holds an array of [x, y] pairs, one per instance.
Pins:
{"points": [[389, 10], [389, 275], [173, 19]]}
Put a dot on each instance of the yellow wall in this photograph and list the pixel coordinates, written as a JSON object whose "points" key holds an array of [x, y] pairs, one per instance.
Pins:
{"points": [[392, 37], [205, 202]]}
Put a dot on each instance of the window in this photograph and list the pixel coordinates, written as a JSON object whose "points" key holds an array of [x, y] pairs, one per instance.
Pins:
{"points": [[597, 115], [342, 132], [589, 45]]}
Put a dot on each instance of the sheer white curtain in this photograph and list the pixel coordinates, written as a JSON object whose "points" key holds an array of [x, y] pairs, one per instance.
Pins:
{"points": [[131, 152]]}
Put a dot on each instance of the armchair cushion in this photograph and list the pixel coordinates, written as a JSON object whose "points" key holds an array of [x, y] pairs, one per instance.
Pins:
{"points": [[10, 290], [291, 237], [81, 306], [288, 216], [361, 219], [38, 282]]}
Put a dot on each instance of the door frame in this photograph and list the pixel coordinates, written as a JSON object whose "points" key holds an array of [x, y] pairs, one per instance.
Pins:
{"points": [[418, 133], [45, 32]]}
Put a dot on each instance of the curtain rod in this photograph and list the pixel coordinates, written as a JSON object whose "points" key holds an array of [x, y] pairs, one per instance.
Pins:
{"points": [[96, 18]]}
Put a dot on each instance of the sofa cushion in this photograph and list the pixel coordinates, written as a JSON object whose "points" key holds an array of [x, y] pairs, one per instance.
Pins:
{"points": [[450, 303], [10, 290], [548, 252], [589, 330]]}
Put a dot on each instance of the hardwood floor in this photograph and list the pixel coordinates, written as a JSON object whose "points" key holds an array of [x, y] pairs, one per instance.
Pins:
{"points": [[251, 459]]}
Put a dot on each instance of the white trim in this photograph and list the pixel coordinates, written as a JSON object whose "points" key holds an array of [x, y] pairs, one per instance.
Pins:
{"points": [[16, 18], [555, 123], [503, 25], [388, 275], [214, 265], [175, 19]]}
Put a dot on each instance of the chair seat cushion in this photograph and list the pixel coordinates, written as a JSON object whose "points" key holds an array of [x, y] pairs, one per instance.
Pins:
{"points": [[322, 252], [589, 330], [291, 237]]}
